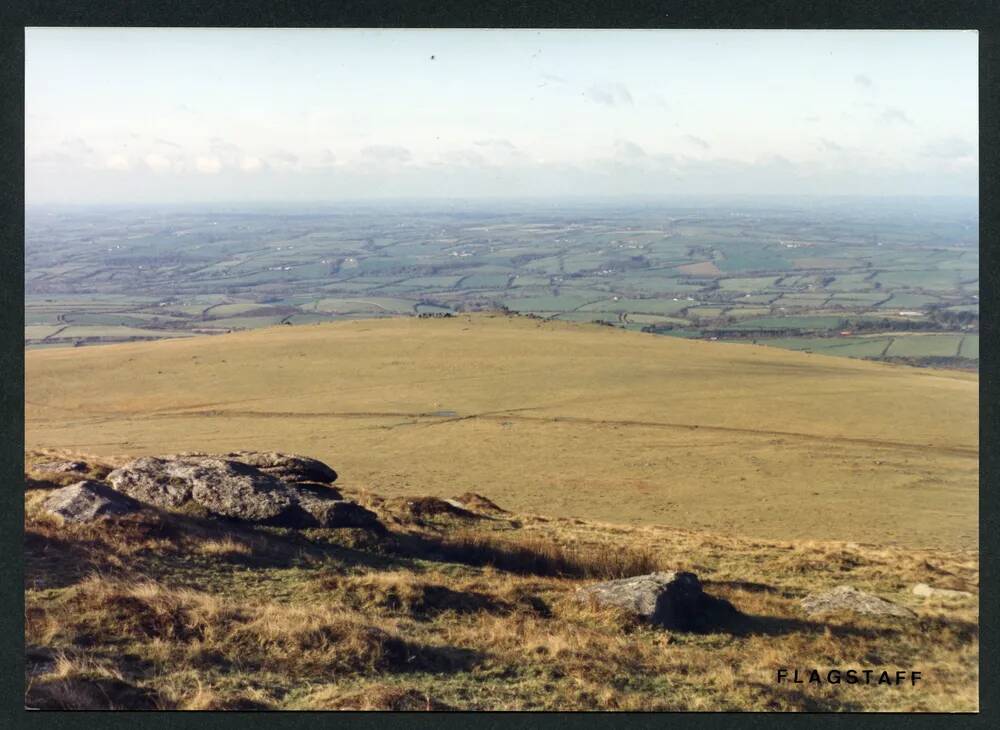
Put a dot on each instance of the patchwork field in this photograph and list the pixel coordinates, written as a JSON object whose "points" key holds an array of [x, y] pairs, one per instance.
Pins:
{"points": [[747, 270], [555, 418]]}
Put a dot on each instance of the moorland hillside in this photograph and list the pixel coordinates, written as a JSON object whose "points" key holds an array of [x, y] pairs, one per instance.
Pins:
{"points": [[566, 420]]}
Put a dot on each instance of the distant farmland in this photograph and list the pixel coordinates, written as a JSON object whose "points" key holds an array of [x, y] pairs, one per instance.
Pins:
{"points": [[781, 276]]}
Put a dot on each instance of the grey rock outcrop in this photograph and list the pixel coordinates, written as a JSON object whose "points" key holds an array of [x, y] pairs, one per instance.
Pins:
{"points": [[287, 467], [160, 482], [233, 489], [89, 500], [673, 600], [847, 599], [237, 490], [330, 510]]}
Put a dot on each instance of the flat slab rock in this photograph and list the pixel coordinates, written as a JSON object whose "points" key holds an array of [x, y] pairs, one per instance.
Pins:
{"points": [[61, 467], [237, 490], [922, 589], [284, 466], [89, 500], [847, 599], [673, 600]]}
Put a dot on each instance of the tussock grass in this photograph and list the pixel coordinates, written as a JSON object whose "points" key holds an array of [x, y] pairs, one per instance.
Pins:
{"points": [[225, 547], [374, 696], [172, 611], [78, 683], [197, 629]]}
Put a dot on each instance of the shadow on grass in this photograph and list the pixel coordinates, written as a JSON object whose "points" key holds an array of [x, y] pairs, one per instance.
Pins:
{"points": [[528, 555], [436, 659], [743, 585], [743, 624], [54, 562], [785, 698]]}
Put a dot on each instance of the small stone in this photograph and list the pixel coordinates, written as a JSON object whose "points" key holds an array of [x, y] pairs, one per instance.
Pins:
{"points": [[847, 599], [673, 600]]}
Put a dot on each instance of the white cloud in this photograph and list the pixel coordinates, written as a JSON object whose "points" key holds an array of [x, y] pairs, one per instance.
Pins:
{"points": [[463, 158], [629, 150], [157, 162], [610, 94], [891, 115], [226, 152], [117, 162], [697, 141], [949, 148], [251, 164], [495, 143], [76, 147], [208, 165], [386, 154], [283, 160]]}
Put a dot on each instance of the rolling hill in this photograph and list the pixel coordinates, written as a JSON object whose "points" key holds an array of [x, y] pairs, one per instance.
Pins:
{"points": [[553, 418]]}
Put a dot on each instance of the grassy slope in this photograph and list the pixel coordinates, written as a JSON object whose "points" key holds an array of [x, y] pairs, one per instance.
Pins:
{"points": [[555, 418], [172, 611]]}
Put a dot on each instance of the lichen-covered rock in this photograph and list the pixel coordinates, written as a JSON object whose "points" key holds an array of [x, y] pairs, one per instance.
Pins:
{"points": [[223, 487], [847, 599], [154, 481], [89, 500], [673, 600], [237, 490], [287, 467]]}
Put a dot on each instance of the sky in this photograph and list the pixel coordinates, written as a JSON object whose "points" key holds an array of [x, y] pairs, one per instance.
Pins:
{"points": [[204, 115]]}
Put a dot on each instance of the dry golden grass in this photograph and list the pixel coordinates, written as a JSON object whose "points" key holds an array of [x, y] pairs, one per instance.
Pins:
{"points": [[172, 611], [768, 473], [553, 418], [374, 696]]}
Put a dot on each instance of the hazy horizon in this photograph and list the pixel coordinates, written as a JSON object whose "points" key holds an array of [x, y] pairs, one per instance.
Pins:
{"points": [[272, 116]]}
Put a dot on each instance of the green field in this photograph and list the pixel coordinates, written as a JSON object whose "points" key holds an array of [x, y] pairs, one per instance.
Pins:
{"points": [[925, 346], [970, 347], [373, 305], [791, 322], [642, 306], [869, 347], [795, 269]]}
